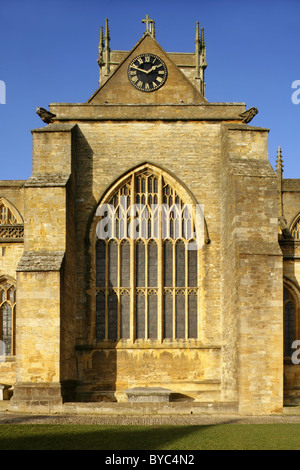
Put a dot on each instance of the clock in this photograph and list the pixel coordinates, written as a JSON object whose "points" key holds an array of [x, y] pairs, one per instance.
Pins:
{"points": [[147, 72]]}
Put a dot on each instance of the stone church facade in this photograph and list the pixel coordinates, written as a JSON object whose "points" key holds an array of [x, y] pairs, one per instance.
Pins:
{"points": [[101, 293]]}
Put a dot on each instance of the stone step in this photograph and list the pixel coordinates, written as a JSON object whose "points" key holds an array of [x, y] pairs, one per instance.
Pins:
{"points": [[143, 409]]}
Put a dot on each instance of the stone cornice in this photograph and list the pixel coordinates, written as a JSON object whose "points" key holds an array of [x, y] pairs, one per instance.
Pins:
{"points": [[41, 261]]}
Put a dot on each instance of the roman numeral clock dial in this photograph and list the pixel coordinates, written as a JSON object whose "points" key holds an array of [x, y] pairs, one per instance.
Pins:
{"points": [[147, 72]]}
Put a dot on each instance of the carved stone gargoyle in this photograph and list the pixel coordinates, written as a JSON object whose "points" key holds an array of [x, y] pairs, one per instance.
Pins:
{"points": [[249, 114], [45, 115]]}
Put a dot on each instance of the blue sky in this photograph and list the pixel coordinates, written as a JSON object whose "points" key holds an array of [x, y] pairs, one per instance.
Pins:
{"points": [[49, 54]]}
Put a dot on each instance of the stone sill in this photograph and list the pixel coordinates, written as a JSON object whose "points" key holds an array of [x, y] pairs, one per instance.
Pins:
{"points": [[148, 344], [4, 359]]}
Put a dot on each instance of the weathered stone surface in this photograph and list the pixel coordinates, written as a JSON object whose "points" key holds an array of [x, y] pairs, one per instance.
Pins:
{"points": [[148, 395], [209, 157], [41, 261]]}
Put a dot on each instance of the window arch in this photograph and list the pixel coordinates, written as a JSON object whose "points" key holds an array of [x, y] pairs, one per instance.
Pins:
{"points": [[146, 277], [11, 222], [291, 317], [295, 230], [7, 315]]}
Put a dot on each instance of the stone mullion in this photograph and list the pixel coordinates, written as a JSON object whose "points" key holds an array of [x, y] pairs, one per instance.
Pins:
{"points": [[174, 289], [146, 260], [13, 321], [160, 273], [198, 296], [146, 293], [186, 291], [132, 267]]}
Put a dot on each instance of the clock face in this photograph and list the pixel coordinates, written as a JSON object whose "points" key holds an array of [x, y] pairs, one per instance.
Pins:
{"points": [[147, 72]]}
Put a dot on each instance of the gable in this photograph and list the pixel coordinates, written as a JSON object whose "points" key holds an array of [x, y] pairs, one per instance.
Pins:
{"points": [[176, 89]]}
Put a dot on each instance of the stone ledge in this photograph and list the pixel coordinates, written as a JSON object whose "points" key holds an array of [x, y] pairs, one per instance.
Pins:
{"points": [[41, 261], [148, 395], [55, 127], [147, 112], [47, 180], [150, 409], [291, 185]]}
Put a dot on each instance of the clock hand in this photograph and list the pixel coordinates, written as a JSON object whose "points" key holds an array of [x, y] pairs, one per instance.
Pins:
{"points": [[140, 70], [154, 67]]}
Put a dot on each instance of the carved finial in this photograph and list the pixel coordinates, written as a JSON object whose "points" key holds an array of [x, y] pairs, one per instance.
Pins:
{"points": [[100, 52], [101, 48], [202, 38], [279, 161], [200, 53], [150, 26], [106, 49], [279, 171], [197, 37], [107, 35], [153, 30]]}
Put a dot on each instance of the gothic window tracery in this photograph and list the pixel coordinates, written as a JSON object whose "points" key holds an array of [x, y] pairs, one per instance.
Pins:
{"points": [[11, 225], [296, 229], [147, 279]]}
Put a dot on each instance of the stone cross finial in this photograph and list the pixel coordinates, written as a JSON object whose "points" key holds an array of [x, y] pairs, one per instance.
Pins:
{"points": [[150, 25]]}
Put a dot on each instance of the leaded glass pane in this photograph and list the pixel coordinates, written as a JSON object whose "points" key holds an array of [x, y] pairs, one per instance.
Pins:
{"points": [[125, 264], [152, 264], [192, 316], [180, 315], [140, 315], [192, 268], [6, 316], [100, 263], [113, 264], [125, 315], [168, 315], [100, 315], [168, 264], [112, 316], [152, 316], [140, 264], [180, 264]]}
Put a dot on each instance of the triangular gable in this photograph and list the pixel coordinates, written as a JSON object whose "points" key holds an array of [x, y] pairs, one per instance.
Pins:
{"points": [[118, 89]]}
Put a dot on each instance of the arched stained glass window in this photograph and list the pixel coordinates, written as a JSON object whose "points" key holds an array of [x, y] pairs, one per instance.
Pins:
{"points": [[7, 316], [147, 279]]}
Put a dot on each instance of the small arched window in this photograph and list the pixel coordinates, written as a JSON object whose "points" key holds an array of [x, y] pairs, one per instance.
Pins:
{"points": [[146, 278], [296, 229], [11, 222], [7, 316]]}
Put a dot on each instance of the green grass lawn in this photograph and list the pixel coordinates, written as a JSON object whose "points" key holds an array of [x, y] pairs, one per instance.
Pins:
{"points": [[96, 437]]}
